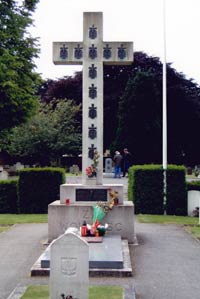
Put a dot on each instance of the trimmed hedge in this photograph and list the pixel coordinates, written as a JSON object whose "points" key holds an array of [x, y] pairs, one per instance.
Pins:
{"points": [[8, 197], [38, 187], [194, 185], [176, 191], [145, 188]]}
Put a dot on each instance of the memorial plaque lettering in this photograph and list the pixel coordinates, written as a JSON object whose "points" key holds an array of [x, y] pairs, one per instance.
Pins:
{"points": [[91, 195]]}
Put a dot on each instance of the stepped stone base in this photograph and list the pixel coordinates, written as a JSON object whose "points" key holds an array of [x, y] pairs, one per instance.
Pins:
{"points": [[61, 216]]}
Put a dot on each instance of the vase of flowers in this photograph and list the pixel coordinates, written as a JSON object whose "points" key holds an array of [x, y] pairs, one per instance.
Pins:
{"points": [[91, 171]]}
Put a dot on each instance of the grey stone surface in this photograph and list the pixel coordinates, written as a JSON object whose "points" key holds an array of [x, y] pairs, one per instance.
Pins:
{"points": [[108, 165], [107, 254], [166, 263], [19, 248], [3, 174], [120, 219], [69, 273], [193, 201], [69, 191], [126, 271]]}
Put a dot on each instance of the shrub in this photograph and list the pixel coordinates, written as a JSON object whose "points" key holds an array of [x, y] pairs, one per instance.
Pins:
{"points": [[146, 188], [194, 185], [8, 197], [176, 191], [38, 187]]}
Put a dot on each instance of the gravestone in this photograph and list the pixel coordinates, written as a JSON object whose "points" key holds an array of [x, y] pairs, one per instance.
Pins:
{"points": [[193, 201], [3, 175], [69, 274], [19, 166], [108, 165], [74, 169]]}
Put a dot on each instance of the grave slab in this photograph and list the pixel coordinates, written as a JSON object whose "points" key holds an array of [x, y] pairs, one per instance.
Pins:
{"points": [[125, 271], [106, 254]]}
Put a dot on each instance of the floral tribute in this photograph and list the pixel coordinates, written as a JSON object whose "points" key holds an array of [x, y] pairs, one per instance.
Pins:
{"points": [[91, 170], [100, 209]]}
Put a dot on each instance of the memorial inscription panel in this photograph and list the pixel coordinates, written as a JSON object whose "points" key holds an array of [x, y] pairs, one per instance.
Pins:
{"points": [[91, 194]]}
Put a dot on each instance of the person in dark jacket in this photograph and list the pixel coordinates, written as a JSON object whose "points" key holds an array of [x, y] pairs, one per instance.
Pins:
{"points": [[117, 163], [126, 161]]}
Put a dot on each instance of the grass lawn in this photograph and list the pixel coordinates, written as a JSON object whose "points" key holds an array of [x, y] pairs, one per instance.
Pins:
{"points": [[7, 220], [191, 224], [95, 292]]}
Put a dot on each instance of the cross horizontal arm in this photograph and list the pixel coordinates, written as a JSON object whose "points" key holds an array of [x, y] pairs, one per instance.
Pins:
{"points": [[120, 53], [68, 53]]}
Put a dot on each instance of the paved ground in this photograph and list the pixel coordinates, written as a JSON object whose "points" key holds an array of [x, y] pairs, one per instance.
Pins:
{"points": [[166, 262]]}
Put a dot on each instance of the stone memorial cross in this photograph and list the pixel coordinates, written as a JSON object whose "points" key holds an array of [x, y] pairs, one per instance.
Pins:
{"points": [[93, 52]]}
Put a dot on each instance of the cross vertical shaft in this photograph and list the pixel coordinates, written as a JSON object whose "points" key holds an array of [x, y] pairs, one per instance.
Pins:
{"points": [[93, 81]]}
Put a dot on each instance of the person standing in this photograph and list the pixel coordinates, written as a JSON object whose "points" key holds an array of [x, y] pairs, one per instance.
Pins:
{"points": [[126, 161], [117, 164]]}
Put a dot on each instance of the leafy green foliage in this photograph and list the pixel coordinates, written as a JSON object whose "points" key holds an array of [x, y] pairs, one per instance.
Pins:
{"points": [[140, 108], [146, 188], [38, 187], [52, 132], [18, 81], [8, 197], [176, 191], [133, 109], [194, 185]]}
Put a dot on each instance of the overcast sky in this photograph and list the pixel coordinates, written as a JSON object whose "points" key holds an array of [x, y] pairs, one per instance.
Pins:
{"points": [[140, 21]]}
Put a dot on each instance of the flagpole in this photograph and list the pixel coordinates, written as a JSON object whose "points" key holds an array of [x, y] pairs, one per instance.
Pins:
{"points": [[164, 110]]}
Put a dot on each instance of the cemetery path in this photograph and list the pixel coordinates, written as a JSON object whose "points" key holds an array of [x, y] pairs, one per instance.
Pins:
{"points": [[166, 263], [19, 248]]}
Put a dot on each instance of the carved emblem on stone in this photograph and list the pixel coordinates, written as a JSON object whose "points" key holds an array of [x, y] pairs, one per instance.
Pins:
{"points": [[78, 52], [93, 52], [93, 32], [92, 72], [92, 112], [92, 133], [68, 266], [92, 92], [63, 52], [107, 52], [91, 151], [121, 52]]}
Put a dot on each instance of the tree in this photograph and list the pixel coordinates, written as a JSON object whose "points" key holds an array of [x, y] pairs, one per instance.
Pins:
{"points": [[140, 114], [18, 81], [52, 132], [133, 109]]}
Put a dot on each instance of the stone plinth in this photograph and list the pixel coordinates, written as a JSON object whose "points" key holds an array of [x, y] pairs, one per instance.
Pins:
{"points": [[61, 216], [69, 191]]}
